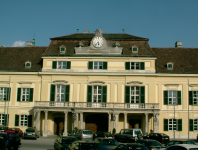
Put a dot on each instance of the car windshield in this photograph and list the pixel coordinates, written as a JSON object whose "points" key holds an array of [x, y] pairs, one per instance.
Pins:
{"points": [[90, 146], [138, 148], [107, 133], [87, 132], [137, 132], [109, 142], [163, 134], [29, 130], [154, 143], [68, 140]]}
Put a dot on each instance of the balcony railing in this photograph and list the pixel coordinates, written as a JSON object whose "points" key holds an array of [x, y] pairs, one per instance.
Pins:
{"points": [[97, 105]]}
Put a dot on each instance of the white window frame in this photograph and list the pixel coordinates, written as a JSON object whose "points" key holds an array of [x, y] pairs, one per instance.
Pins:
{"points": [[195, 124], [2, 119], [28, 62], [172, 124], [62, 51], [23, 120], [60, 93], [133, 50], [172, 99], [195, 97], [168, 67], [135, 64], [135, 93], [61, 65], [97, 65], [25, 94], [97, 93], [3, 93]]}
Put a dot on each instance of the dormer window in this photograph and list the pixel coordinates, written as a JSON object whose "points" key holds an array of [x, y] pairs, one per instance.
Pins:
{"points": [[170, 66], [62, 49], [28, 64], [134, 49]]}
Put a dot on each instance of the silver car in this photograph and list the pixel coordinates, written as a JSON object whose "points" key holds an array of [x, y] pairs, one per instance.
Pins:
{"points": [[31, 133], [83, 134]]}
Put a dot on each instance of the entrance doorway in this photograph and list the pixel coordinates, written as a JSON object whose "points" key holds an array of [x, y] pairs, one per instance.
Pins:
{"points": [[96, 122], [134, 123], [58, 125]]}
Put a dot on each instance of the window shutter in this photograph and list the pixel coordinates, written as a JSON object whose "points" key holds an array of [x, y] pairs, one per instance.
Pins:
{"points": [[5, 122], [127, 94], [127, 65], [190, 97], [18, 94], [179, 125], [54, 63], [179, 97], [31, 95], [8, 94], [16, 120], [68, 65], [165, 124], [30, 121], [142, 66], [89, 93], [67, 88], [142, 90], [104, 94], [191, 124], [90, 65], [104, 65], [165, 97], [52, 93]]}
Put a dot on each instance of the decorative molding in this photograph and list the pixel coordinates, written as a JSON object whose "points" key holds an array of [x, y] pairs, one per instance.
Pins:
{"points": [[193, 85], [58, 81], [4, 82], [134, 82], [171, 84], [97, 81], [23, 82]]}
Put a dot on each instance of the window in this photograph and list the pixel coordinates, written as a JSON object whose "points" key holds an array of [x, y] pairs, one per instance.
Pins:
{"points": [[96, 93], [170, 66], [97, 65], [193, 124], [172, 124], [193, 97], [135, 94], [25, 94], [172, 97], [23, 120], [4, 94], [61, 65], [3, 119], [28, 64], [59, 93], [134, 49], [62, 49], [135, 66]]}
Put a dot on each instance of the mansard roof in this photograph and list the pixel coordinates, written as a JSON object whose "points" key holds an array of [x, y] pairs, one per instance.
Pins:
{"points": [[184, 60], [13, 58]]}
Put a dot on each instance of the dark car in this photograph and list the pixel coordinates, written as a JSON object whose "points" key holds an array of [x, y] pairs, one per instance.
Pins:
{"points": [[83, 134], [3, 128], [161, 137], [102, 134], [5, 137], [107, 143], [150, 144], [174, 142], [129, 146], [182, 147], [85, 145], [63, 142], [3, 145], [31, 133]]}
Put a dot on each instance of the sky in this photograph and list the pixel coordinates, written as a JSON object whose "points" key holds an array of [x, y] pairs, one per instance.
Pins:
{"points": [[163, 22]]}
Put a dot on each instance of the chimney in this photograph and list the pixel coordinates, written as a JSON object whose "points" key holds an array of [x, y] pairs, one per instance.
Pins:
{"points": [[178, 44], [29, 43], [85, 31]]}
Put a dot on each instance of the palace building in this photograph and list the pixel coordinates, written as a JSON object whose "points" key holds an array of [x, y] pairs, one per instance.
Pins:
{"points": [[100, 81]]}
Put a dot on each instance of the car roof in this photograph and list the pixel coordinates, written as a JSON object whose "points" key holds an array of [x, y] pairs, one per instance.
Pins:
{"points": [[187, 145], [147, 140], [82, 141], [138, 144], [181, 140]]}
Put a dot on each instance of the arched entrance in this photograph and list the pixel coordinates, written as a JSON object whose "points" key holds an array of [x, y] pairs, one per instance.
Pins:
{"points": [[58, 125], [96, 122], [134, 123]]}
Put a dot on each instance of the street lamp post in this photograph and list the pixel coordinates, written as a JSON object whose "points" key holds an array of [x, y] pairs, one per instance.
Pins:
{"points": [[74, 118]]}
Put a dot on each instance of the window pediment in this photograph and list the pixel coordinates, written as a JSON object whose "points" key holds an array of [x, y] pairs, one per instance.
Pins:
{"points": [[60, 81], [97, 81], [134, 82]]}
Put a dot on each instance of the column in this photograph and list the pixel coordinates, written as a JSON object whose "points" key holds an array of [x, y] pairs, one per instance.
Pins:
{"points": [[81, 120], [76, 121], [45, 124], [65, 124], [146, 123], [109, 122], [125, 120], [117, 120], [37, 119], [156, 123]]}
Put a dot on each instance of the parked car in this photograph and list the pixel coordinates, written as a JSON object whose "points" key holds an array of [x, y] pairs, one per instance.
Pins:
{"points": [[107, 143], [102, 134], [3, 145], [128, 135], [161, 137], [5, 137], [83, 134], [63, 142], [129, 146], [3, 128], [182, 147], [85, 145], [151, 144], [12, 130], [31, 133], [174, 142]]}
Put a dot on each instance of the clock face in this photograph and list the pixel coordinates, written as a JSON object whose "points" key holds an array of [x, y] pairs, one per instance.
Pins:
{"points": [[98, 42]]}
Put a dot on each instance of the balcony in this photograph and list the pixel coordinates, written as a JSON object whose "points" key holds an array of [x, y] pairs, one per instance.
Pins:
{"points": [[48, 104]]}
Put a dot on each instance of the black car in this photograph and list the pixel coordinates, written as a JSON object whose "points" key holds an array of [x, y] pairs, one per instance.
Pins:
{"points": [[174, 142], [107, 143], [85, 145], [161, 137], [63, 142], [129, 146], [150, 144], [3, 145], [102, 134]]}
